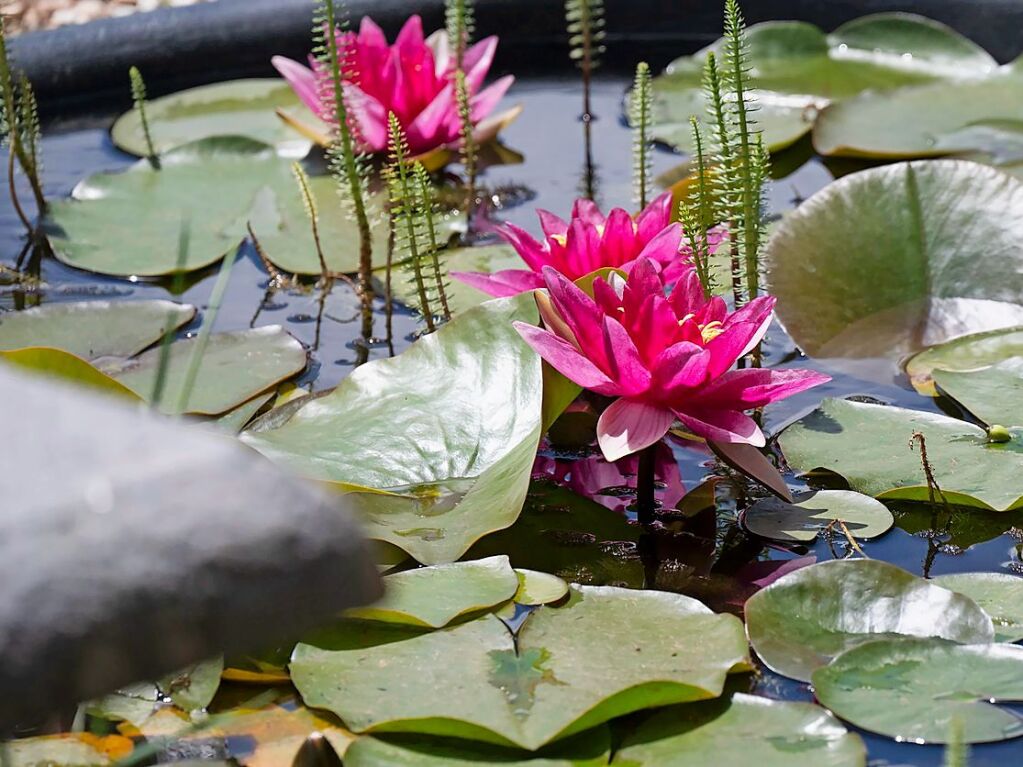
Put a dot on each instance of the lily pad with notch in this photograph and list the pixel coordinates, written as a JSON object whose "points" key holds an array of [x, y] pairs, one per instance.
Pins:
{"points": [[804, 619], [604, 654], [994, 395], [869, 445], [964, 355], [917, 689], [802, 521], [999, 594]]}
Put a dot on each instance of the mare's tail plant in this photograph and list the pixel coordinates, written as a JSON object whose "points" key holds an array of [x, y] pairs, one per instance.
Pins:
{"points": [[585, 21], [348, 167], [460, 18], [427, 205], [957, 753], [407, 225], [460, 22], [732, 176], [20, 132], [313, 213], [640, 106], [138, 95], [695, 217]]}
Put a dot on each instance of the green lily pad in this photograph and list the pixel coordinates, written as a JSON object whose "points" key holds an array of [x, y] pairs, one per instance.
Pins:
{"points": [[922, 690], [235, 420], [727, 732], [575, 538], [797, 70], [606, 653], [133, 704], [71, 750], [234, 108], [193, 688], [964, 354], [93, 329], [436, 596], [927, 121], [236, 367], [869, 445], [130, 223], [589, 749], [536, 588], [56, 363], [773, 518], [994, 395], [448, 428], [804, 619], [916, 224], [482, 258], [958, 527], [999, 594]]}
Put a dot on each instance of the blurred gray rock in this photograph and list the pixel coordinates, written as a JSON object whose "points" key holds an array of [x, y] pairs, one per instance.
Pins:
{"points": [[131, 546]]}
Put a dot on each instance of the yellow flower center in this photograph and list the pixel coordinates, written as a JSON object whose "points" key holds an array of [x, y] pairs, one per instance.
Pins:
{"points": [[709, 332], [561, 239]]}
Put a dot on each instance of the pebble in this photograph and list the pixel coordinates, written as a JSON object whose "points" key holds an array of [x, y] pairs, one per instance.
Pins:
{"points": [[28, 15]]}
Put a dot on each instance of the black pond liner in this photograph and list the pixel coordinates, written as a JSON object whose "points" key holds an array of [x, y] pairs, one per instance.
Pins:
{"points": [[82, 71]]}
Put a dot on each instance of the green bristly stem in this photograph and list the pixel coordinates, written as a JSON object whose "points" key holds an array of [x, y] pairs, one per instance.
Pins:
{"points": [[640, 109], [184, 238], [425, 197], [309, 202], [138, 95], [17, 147], [701, 247], [464, 101], [646, 504], [583, 21]]}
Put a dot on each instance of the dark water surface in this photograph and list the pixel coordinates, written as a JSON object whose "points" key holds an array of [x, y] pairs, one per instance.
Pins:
{"points": [[549, 135]]}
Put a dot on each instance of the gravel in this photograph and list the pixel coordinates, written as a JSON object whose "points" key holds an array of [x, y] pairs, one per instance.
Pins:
{"points": [[27, 15]]}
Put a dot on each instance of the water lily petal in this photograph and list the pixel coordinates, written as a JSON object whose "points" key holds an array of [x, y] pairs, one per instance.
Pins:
{"points": [[477, 61], [507, 282], [687, 296], [679, 369], [552, 225], [654, 217], [619, 239], [564, 358], [302, 80], [747, 389], [529, 250], [581, 314], [626, 365], [437, 124], [664, 247], [370, 118], [722, 426], [588, 211], [628, 426], [483, 103]]}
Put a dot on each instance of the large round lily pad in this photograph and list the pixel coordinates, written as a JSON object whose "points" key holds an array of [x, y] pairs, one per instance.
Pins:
{"points": [[435, 596], [885, 262], [863, 516], [93, 329], [804, 619], [235, 368], [130, 223], [234, 108], [925, 690], [449, 428], [964, 354], [999, 594], [869, 445], [728, 732], [994, 394], [606, 653], [925, 121], [798, 70]]}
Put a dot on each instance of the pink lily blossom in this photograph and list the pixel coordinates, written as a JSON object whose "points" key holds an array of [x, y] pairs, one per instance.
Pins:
{"points": [[591, 241], [413, 78], [663, 357]]}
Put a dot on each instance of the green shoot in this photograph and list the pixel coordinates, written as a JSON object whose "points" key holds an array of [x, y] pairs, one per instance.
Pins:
{"points": [[203, 339], [184, 239], [312, 211], [695, 219], [957, 753], [640, 106], [460, 22], [138, 95], [348, 167], [585, 22], [468, 141], [19, 126], [425, 195], [405, 212]]}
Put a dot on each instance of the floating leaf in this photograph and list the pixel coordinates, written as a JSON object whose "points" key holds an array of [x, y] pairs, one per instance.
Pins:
{"points": [[234, 108], [812, 512], [927, 121], [957, 527], [235, 420], [916, 689], [804, 619], [236, 367], [436, 596], [994, 395], [965, 354], [536, 588], [589, 749], [728, 732], [62, 365], [466, 400], [797, 70], [93, 329], [869, 445], [130, 223], [193, 688], [134, 704], [70, 750], [999, 594], [908, 273], [606, 653]]}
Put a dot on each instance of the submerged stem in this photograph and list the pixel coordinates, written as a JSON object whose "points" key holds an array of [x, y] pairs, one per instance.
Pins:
{"points": [[646, 503]]}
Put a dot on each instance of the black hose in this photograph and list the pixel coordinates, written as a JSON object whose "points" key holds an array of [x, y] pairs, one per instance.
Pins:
{"points": [[179, 47]]}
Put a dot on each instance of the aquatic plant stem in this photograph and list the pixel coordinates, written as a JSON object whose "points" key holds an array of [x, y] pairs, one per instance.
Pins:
{"points": [[184, 238], [138, 94], [584, 26], [12, 186], [646, 503]]}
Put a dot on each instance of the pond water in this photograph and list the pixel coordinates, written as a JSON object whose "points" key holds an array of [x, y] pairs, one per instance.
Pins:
{"points": [[550, 138]]}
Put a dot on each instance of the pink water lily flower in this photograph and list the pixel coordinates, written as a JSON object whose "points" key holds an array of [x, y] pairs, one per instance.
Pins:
{"points": [[663, 357], [588, 242], [413, 78]]}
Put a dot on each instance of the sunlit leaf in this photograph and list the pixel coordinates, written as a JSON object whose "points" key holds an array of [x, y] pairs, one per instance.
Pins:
{"points": [[964, 354], [994, 394], [77, 750], [815, 511], [999, 594], [61, 365], [536, 588], [193, 688]]}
